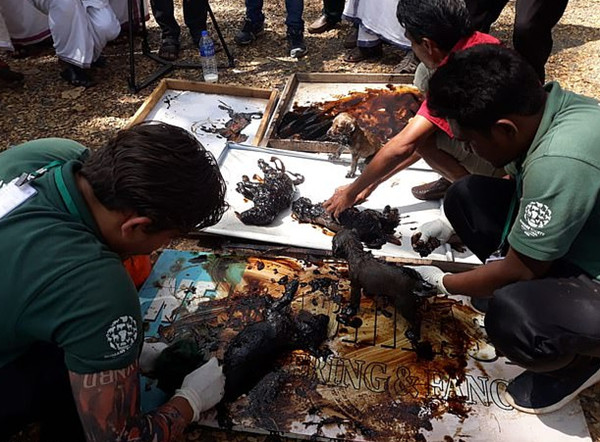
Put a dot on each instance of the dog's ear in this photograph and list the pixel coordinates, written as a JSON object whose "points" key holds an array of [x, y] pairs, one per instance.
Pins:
{"points": [[336, 249]]}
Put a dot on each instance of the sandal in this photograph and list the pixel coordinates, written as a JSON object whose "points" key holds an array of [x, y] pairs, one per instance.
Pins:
{"points": [[351, 37], [408, 65], [169, 50], [364, 53]]}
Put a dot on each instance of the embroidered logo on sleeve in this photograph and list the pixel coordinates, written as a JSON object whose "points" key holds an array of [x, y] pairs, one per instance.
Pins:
{"points": [[536, 216], [121, 334]]}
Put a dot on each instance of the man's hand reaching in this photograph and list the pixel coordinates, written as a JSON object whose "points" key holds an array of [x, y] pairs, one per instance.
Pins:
{"points": [[343, 199], [204, 387], [434, 276]]}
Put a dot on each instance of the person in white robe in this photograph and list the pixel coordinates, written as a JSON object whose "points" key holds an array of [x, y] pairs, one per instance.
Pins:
{"points": [[377, 23], [6, 74], [26, 25], [80, 30]]}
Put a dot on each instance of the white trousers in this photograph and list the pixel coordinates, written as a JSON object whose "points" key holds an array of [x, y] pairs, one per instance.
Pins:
{"points": [[26, 25], [377, 21], [4, 36], [80, 28]]}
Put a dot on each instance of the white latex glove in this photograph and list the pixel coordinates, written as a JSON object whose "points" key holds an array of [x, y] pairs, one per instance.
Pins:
{"points": [[433, 275], [438, 228], [204, 387], [150, 353]]}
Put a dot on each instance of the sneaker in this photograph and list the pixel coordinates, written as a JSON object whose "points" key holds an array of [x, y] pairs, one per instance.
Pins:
{"points": [[296, 44], [539, 393], [249, 32]]}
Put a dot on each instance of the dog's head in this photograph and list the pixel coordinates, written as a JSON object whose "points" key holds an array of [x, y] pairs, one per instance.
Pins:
{"points": [[344, 240], [342, 128]]}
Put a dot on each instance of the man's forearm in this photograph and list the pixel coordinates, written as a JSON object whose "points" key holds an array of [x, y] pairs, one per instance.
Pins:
{"points": [[162, 424], [412, 159], [393, 157], [484, 280]]}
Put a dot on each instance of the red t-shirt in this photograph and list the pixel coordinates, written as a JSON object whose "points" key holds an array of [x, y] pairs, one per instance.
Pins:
{"points": [[477, 38]]}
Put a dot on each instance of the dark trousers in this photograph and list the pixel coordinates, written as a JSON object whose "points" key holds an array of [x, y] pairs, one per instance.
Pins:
{"points": [[194, 15], [333, 9], [534, 20], [293, 20], [541, 324], [477, 207], [36, 388]]}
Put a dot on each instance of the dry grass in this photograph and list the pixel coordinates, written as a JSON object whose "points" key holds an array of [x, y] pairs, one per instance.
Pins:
{"points": [[46, 106]]}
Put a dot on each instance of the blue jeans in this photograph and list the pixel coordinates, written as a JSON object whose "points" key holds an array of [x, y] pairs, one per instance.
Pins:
{"points": [[293, 20]]}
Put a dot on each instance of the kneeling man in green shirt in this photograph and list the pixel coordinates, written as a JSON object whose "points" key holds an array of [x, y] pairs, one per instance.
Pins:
{"points": [[539, 233], [70, 318]]}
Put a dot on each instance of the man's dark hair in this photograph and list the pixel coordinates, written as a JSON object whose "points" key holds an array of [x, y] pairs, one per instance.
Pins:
{"points": [[482, 84], [159, 171], [443, 21]]}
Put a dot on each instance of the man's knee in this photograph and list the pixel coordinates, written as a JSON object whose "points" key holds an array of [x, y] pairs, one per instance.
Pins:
{"points": [[455, 197], [105, 23], [64, 10], [515, 331], [503, 318]]}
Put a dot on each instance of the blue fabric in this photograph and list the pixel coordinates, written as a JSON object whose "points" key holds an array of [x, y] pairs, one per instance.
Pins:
{"points": [[293, 20]]}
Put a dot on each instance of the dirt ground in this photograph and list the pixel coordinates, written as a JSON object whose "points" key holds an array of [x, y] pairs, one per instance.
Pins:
{"points": [[47, 106]]}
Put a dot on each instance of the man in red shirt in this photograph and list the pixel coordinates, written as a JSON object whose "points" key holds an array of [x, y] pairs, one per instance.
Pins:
{"points": [[435, 28]]}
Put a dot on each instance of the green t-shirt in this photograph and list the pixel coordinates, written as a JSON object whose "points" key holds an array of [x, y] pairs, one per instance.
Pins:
{"points": [[559, 211], [60, 282]]}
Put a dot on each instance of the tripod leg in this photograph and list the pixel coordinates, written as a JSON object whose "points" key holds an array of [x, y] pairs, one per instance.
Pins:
{"points": [[131, 81], [220, 35]]}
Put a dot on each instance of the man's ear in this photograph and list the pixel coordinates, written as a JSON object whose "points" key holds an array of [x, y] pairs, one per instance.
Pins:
{"points": [[429, 45], [505, 128], [134, 225]]}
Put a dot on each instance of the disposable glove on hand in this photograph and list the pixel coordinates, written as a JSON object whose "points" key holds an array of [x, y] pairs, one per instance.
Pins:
{"points": [[150, 353], [433, 275], [438, 228], [204, 387]]}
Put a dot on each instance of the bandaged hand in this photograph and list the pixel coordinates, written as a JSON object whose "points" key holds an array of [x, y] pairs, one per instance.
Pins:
{"points": [[430, 235], [438, 228], [204, 387], [433, 275]]}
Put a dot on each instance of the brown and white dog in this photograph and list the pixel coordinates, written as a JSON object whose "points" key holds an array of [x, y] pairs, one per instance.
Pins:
{"points": [[346, 131]]}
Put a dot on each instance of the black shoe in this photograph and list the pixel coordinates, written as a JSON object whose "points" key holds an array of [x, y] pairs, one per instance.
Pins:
{"points": [[100, 62], [540, 393], [359, 54], [10, 77], [296, 44], [76, 76], [249, 32]]}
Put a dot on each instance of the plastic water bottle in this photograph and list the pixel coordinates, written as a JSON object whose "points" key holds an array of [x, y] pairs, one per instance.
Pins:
{"points": [[209, 61]]}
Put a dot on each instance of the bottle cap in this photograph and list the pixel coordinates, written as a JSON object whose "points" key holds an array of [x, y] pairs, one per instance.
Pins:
{"points": [[204, 33]]}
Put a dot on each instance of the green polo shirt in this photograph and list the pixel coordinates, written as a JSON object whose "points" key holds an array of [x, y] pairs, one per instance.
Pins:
{"points": [[559, 211], [60, 283]]}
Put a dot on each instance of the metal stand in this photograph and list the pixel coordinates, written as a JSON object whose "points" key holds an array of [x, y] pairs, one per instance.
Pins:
{"points": [[166, 66]]}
